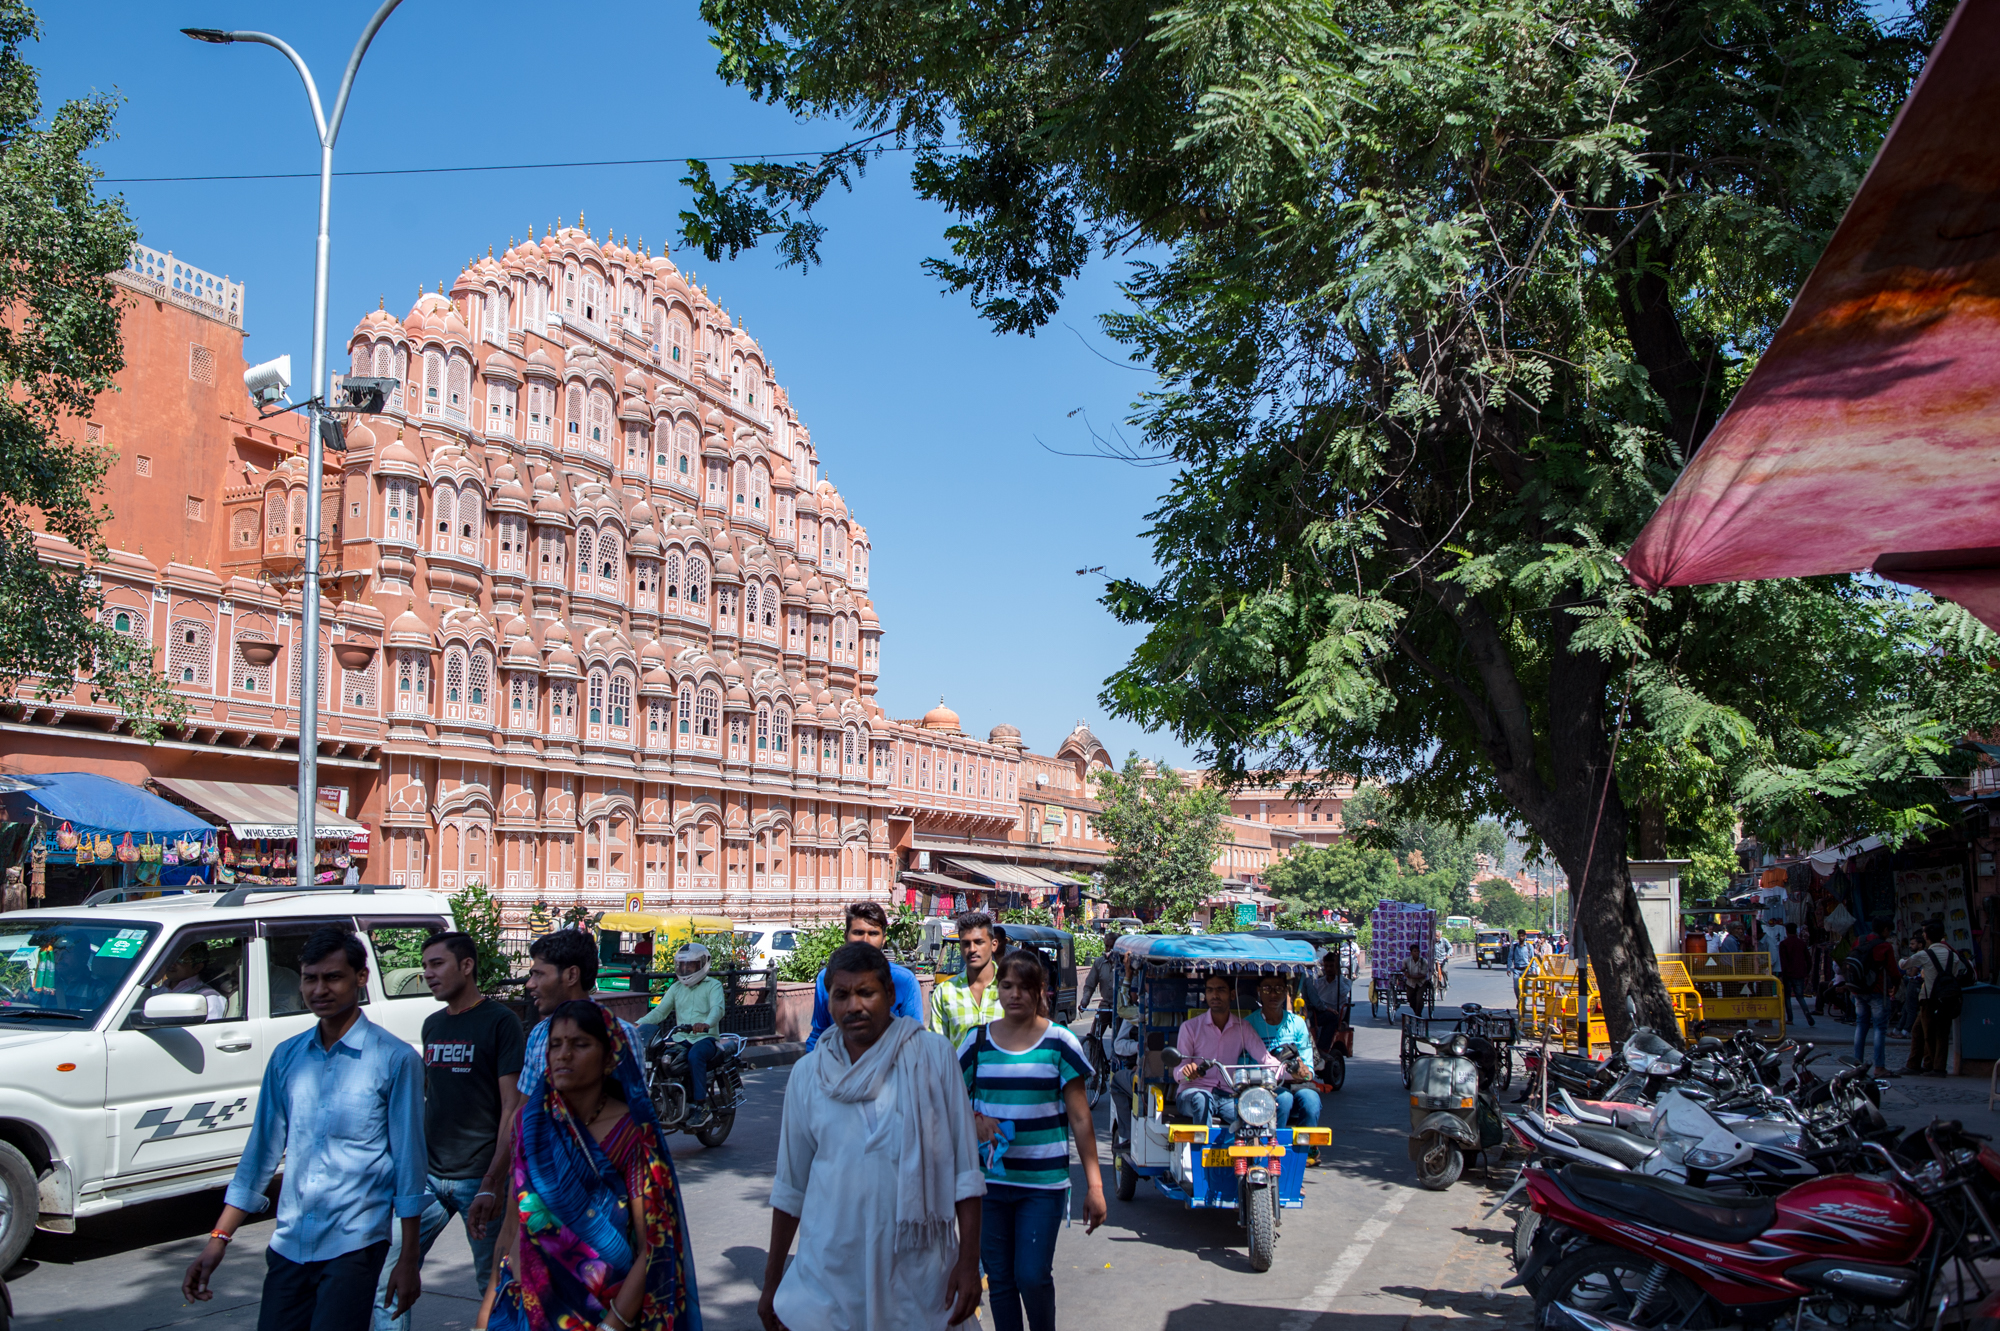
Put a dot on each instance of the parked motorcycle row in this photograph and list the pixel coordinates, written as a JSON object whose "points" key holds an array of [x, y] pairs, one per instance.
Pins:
{"points": [[1736, 1186]]}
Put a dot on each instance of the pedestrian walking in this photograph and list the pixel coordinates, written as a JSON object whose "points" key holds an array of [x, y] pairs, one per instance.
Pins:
{"points": [[472, 1063], [970, 998], [1519, 953], [1867, 972], [868, 923], [342, 1105], [1216, 1036], [595, 1236], [1940, 972], [1908, 989], [1794, 974], [562, 968], [878, 1174], [1026, 1077], [1277, 1026], [694, 1003]]}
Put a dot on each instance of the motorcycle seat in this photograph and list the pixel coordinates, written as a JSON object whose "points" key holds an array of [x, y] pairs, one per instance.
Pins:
{"points": [[1626, 1148], [1664, 1205]]}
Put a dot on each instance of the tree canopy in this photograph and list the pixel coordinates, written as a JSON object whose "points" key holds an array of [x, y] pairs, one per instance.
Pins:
{"points": [[1164, 832], [59, 348], [1439, 295]]}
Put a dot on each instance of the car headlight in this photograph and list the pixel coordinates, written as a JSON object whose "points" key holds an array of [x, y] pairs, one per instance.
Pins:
{"points": [[1257, 1107]]}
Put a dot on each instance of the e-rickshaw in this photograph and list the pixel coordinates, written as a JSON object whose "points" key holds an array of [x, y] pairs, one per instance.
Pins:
{"points": [[1490, 948], [635, 950], [1056, 947], [1255, 1166], [1333, 1033]]}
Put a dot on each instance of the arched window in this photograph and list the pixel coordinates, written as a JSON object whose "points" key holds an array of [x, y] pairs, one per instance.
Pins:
{"points": [[562, 707], [442, 513], [541, 412], [513, 544], [697, 583], [673, 588], [848, 754], [750, 599], [677, 339], [608, 562], [781, 730], [575, 422], [742, 485], [358, 687], [454, 675], [480, 678], [684, 454], [469, 522], [763, 728], [188, 652], [707, 711], [243, 675], [600, 424], [760, 489], [596, 714], [520, 699], [686, 708], [413, 681], [621, 699], [656, 722], [584, 538], [122, 622], [433, 383], [460, 389]]}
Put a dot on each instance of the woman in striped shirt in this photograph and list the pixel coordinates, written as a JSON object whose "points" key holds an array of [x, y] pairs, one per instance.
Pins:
{"points": [[1026, 1078]]}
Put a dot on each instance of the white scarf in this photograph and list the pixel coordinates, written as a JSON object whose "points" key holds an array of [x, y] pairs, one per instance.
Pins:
{"points": [[926, 1181]]}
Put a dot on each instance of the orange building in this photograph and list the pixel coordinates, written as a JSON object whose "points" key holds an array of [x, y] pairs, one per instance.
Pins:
{"points": [[594, 623]]}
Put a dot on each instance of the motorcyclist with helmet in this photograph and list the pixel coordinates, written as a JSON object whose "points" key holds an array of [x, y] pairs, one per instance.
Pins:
{"points": [[694, 1006]]}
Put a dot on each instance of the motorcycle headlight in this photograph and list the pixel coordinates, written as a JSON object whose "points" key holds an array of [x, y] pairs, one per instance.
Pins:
{"points": [[1257, 1107]]}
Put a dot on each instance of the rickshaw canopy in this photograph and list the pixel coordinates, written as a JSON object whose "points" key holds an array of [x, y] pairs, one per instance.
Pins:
{"points": [[674, 926], [1247, 953]]}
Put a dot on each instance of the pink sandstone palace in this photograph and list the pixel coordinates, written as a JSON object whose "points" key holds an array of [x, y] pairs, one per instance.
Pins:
{"points": [[595, 624]]}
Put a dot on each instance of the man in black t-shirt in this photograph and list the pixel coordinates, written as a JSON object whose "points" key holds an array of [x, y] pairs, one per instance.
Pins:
{"points": [[472, 1060]]}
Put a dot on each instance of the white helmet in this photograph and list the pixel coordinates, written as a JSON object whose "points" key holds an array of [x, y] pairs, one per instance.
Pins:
{"points": [[691, 964]]}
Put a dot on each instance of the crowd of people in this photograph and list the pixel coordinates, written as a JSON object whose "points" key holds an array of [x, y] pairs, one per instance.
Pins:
{"points": [[923, 1162]]}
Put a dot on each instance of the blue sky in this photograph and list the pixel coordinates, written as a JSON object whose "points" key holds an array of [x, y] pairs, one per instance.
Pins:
{"points": [[932, 426]]}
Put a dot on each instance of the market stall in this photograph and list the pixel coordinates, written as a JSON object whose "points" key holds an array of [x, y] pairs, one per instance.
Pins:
{"points": [[261, 840], [73, 833]]}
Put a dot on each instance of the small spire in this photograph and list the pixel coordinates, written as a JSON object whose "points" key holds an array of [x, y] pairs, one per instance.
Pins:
{"points": [[382, 301], [581, 225], [489, 254], [531, 233]]}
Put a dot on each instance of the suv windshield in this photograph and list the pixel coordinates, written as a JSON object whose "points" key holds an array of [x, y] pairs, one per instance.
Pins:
{"points": [[65, 972]]}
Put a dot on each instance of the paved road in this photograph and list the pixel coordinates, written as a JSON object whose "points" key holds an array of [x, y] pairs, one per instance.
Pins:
{"points": [[1368, 1244]]}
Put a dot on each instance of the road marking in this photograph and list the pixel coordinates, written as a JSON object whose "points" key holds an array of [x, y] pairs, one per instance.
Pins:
{"points": [[1347, 1263]]}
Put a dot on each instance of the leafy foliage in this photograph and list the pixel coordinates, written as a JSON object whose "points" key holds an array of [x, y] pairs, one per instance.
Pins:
{"points": [[476, 913], [59, 348], [1164, 835], [1439, 295]]}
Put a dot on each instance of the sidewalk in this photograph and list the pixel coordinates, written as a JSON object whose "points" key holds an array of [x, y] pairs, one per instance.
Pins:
{"points": [[1468, 1283]]}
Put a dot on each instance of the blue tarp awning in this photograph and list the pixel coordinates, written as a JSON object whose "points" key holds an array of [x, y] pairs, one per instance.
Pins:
{"points": [[93, 805]]}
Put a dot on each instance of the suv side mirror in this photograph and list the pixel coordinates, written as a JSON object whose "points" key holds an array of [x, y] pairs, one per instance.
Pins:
{"points": [[173, 1010]]}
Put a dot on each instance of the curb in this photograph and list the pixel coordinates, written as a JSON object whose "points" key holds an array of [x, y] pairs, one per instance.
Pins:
{"points": [[779, 1055]]}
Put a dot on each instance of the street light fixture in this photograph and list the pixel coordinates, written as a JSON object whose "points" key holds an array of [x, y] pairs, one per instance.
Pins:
{"points": [[315, 406]]}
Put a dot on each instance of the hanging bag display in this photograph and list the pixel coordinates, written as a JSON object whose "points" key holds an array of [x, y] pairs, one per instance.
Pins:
{"points": [[170, 853], [86, 851], [149, 853], [127, 852], [66, 837], [208, 852], [229, 856], [105, 850]]}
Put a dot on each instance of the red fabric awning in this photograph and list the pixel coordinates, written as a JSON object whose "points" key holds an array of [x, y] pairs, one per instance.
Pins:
{"points": [[1868, 437]]}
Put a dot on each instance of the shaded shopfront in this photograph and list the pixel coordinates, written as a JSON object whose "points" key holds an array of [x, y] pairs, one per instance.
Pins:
{"points": [[65, 835], [260, 832]]}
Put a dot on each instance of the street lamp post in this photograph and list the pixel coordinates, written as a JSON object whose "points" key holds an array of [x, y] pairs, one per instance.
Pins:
{"points": [[315, 405]]}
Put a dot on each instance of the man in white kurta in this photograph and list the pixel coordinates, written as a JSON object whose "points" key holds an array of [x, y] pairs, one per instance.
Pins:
{"points": [[876, 1248]]}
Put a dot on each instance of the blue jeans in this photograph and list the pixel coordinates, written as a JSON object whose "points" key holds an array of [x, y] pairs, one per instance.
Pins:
{"points": [[1872, 1008], [1017, 1248], [1298, 1107], [1203, 1105], [449, 1197], [698, 1055]]}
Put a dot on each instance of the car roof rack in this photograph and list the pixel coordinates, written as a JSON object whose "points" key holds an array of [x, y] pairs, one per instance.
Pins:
{"points": [[107, 895], [239, 896]]}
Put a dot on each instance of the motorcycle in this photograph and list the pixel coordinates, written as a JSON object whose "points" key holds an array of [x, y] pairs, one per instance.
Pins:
{"points": [[670, 1082], [1257, 1154], [1622, 1251], [1453, 1109]]}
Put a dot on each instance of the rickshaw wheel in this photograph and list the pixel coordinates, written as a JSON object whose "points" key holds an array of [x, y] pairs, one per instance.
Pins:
{"points": [[1440, 1164], [1261, 1222], [1336, 1070], [1123, 1181], [1409, 1062]]}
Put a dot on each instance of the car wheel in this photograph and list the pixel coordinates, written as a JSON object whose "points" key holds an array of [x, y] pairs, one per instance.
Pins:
{"points": [[20, 1205]]}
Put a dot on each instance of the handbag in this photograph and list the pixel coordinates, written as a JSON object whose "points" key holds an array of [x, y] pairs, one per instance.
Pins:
{"points": [[66, 837], [105, 850], [86, 851], [150, 852], [127, 852], [170, 853], [188, 849], [229, 856], [208, 854]]}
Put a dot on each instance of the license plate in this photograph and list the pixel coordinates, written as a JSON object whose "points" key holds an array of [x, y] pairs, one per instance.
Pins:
{"points": [[1227, 1156]]}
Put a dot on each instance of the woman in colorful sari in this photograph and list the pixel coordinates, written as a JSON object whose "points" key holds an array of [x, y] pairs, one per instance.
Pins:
{"points": [[596, 1237]]}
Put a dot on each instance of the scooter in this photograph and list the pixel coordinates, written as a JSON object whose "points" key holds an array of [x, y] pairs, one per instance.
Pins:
{"points": [[669, 1079], [1453, 1110], [1257, 1154]]}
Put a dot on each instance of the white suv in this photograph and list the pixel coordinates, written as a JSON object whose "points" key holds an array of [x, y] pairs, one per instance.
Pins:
{"points": [[117, 1083]]}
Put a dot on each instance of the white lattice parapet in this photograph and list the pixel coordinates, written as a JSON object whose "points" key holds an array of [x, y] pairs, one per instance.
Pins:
{"points": [[159, 274]]}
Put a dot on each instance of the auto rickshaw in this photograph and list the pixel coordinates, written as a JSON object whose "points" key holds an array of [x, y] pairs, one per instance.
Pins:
{"points": [[1333, 1034], [635, 950], [1056, 947], [1490, 948], [1253, 1168]]}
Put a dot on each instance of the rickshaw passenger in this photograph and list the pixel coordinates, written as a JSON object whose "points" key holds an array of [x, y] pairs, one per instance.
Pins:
{"points": [[1277, 1026], [1327, 996], [1220, 1036]]}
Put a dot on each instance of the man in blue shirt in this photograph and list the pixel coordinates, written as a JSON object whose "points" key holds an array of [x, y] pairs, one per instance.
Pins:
{"points": [[1518, 957], [343, 1106], [868, 923]]}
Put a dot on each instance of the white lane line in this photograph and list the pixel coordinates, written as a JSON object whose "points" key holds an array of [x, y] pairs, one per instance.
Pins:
{"points": [[1347, 1263]]}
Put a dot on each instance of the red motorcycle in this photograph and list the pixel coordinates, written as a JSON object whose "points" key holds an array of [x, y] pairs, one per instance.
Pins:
{"points": [[1619, 1251]]}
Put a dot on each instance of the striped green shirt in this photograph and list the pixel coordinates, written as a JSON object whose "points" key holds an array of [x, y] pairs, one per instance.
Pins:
{"points": [[1026, 1088]]}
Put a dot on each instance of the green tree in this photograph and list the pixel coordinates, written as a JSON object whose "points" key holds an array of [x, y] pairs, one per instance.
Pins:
{"points": [[1501, 907], [1345, 876], [59, 348], [1439, 295], [1164, 834]]}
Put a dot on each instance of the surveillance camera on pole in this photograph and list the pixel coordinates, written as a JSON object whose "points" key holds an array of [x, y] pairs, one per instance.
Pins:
{"points": [[268, 383], [361, 394]]}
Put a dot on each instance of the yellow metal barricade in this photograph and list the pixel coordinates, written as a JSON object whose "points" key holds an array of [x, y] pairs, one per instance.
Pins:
{"points": [[1736, 988], [1549, 1002]]}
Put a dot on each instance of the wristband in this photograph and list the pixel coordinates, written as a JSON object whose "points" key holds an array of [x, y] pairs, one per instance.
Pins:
{"points": [[483, 1193], [218, 1234]]}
